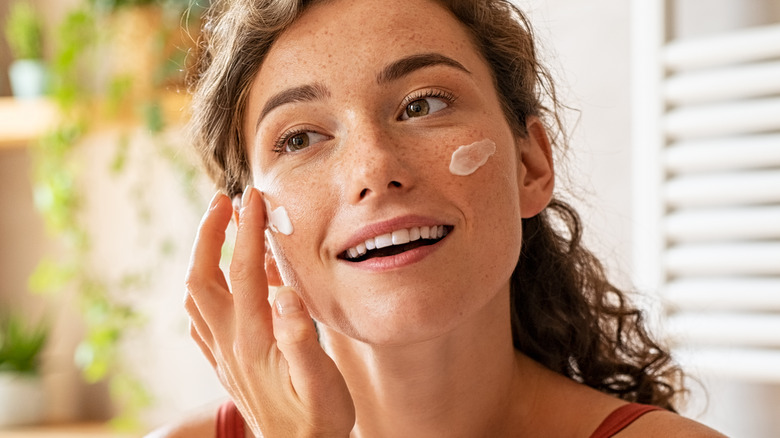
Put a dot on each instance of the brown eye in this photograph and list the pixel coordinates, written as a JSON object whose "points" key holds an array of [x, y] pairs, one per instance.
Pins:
{"points": [[298, 142], [417, 108], [425, 105]]}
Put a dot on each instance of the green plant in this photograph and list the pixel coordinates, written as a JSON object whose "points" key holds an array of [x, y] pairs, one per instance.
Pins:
{"points": [[59, 192], [24, 31], [20, 345]]}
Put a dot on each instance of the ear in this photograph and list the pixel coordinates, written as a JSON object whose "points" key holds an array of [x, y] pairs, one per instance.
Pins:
{"points": [[272, 274], [536, 175]]}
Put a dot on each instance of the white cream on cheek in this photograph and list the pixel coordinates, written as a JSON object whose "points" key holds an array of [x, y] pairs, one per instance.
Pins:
{"points": [[277, 219], [467, 159]]}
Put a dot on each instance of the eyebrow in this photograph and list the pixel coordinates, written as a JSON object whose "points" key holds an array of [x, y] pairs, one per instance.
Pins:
{"points": [[392, 72], [410, 64], [303, 93]]}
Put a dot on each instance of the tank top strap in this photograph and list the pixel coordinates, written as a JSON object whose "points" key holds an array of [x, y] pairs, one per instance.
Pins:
{"points": [[230, 423], [620, 418]]}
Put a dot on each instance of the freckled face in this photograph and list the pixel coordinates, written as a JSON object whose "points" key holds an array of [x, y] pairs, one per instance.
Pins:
{"points": [[352, 120]]}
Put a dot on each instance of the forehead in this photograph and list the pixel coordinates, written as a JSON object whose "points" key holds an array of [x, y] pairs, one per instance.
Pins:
{"points": [[355, 37]]}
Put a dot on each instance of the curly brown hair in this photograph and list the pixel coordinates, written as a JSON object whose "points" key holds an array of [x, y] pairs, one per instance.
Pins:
{"points": [[565, 313]]}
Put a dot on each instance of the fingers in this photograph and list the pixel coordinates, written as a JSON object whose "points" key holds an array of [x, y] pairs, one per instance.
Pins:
{"points": [[310, 367], [207, 293], [207, 250], [203, 345], [247, 270]]}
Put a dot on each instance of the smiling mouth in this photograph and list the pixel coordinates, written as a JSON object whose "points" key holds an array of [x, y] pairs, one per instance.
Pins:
{"points": [[397, 242]]}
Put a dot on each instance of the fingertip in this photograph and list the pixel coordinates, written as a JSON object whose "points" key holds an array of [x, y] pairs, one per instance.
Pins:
{"points": [[247, 195], [251, 203], [293, 327], [287, 302], [216, 200]]}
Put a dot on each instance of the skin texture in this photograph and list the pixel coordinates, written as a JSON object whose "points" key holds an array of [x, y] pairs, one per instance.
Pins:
{"points": [[418, 344]]}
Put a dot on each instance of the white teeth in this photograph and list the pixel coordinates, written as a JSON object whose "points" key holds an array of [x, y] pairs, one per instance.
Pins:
{"points": [[361, 249], [398, 237], [384, 240]]}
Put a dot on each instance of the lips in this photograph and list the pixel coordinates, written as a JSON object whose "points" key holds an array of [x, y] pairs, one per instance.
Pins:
{"points": [[395, 242]]}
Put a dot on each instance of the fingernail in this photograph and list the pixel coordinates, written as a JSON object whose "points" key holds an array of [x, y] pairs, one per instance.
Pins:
{"points": [[287, 302], [214, 199], [247, 196]]}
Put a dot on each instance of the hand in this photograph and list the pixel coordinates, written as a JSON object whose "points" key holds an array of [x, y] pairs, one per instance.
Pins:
{"points": [[269, 360]]}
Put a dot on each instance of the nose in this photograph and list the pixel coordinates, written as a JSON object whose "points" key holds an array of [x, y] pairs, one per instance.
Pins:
{"points": [[376, 166]]}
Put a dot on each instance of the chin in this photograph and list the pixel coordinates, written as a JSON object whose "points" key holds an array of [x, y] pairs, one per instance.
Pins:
{"points": [[396, 320]]}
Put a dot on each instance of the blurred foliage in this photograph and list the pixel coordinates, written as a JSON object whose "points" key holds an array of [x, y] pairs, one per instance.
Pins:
{"points": [[24, 31], [21, 344], [80, 94], [112, 5]]}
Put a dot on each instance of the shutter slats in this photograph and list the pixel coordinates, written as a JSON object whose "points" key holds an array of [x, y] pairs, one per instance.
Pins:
{"points": [[723, 293], [754, 365], [739, 117], [724, 224], [755, 44], [759, 258], [703, 86], [708, 134], [720, 189], [730, 153], [725, 329]]}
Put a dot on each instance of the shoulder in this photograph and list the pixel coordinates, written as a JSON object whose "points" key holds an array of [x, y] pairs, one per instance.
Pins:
{"points": [[667, 424], [201, 424]]}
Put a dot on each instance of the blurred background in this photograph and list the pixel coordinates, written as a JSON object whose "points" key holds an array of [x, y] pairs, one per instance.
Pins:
{"points": [[674, 164]]}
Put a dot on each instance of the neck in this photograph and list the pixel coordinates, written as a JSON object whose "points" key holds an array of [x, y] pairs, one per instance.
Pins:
{"points": [[469, 380]]}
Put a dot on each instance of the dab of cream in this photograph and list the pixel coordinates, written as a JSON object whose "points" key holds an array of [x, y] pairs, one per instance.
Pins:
{"points": [[467, 159], [278, 220]]}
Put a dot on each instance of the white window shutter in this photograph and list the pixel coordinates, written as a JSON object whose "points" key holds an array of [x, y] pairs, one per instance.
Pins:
{"points": [[706, 145]]}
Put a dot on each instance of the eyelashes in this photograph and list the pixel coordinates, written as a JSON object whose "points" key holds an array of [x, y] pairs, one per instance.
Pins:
{"points": [[297, 139], [448, 97], [418, 104]]}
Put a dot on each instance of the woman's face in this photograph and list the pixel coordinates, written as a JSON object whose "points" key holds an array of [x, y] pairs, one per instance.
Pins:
{"points": [[352, 120]]}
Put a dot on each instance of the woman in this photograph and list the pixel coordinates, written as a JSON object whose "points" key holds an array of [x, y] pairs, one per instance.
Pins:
{"points": [[399, 151]]}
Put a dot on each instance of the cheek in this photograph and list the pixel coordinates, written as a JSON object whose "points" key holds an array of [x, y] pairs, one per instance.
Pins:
{"points": [[307, 202]]}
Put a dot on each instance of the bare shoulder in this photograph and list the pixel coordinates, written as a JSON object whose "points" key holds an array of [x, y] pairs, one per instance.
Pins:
{"points": [[201, 424], [667, 424]]}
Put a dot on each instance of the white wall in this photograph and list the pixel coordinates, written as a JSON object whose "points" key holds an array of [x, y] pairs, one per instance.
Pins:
{"points": [[586, 45]]}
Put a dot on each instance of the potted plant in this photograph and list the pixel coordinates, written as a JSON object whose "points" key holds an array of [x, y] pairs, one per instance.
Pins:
{"points": [[24, 33], [21, 388]]}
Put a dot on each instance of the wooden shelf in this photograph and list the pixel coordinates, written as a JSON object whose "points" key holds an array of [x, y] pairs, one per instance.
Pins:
{"points": [[84, 430], [23, 121]]}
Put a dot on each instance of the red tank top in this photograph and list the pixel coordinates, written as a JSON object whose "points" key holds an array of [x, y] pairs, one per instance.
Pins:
{"points": [[231, 425], [620, 418]]}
